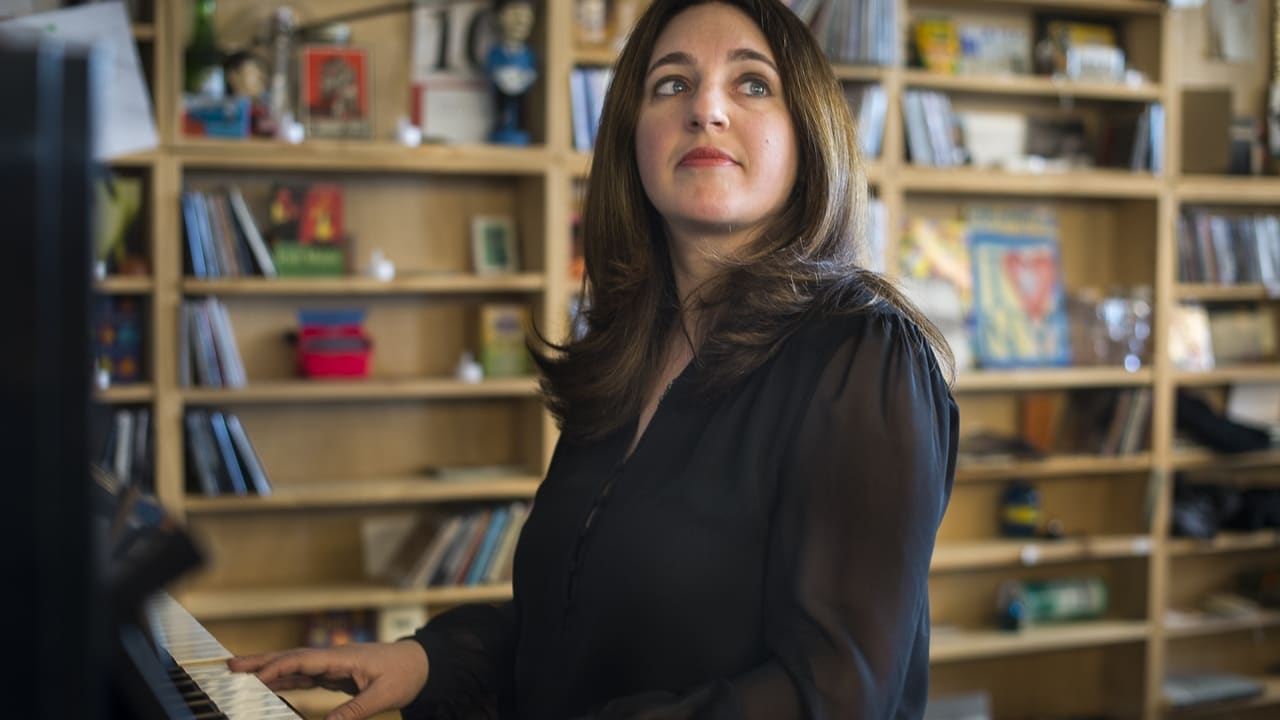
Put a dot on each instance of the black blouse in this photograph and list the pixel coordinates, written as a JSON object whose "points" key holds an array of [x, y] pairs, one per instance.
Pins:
{"points": [[765, 555]]}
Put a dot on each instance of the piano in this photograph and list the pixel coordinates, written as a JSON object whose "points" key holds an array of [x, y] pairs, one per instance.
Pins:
{"points": [[197, 668]]}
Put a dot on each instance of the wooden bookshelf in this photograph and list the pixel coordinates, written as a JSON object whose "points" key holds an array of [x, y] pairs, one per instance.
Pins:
{"points": [[1219, 626], [978, 644], [1117, 230], [1232, 708]]}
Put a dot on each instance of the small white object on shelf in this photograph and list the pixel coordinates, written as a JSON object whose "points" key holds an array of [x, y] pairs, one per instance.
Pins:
{"points": [[102, 378], [100, 270], [468, 370], [407, 133], [380, 267]]}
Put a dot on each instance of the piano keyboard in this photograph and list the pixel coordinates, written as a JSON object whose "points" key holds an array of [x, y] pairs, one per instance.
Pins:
{"points": [[200, 670]]}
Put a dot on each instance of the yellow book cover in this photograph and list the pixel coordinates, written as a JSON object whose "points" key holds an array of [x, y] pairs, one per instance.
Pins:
{"points": [[502, 340]]}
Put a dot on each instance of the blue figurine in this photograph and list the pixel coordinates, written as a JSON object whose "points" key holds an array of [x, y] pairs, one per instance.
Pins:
{"points": [[511, 68]]}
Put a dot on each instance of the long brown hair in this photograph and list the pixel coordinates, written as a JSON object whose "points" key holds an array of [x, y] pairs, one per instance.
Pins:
{"points": [[803, 261]]}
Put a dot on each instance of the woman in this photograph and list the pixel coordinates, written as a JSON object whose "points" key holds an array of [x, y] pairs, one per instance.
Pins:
{"points": [[757, 440]]}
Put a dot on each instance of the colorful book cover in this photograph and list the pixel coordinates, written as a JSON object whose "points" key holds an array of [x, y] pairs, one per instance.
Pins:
{"points": [[1019, 303], [502, 347], [118, 334]]}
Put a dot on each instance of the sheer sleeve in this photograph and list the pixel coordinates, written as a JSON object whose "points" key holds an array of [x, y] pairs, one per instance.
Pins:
{"points": [[470, 652], [867, 477]]}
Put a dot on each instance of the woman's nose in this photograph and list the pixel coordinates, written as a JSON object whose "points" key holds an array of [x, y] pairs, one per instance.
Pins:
{"points": [[707, 111]]}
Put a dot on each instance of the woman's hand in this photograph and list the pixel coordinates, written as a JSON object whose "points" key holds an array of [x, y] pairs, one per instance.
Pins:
{"points": [[382, 676]]}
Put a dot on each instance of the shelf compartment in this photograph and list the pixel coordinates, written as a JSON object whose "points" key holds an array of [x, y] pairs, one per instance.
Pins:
{"points": [[1053, 466], [1225, 542], [1261, 372], [971, 645], [124, 394], [427, 284], [367, 494], [1050, 379], [861, 73], [124, 285], [1105, 184], [1229, 190], [1214, 292], [360, 156], [1030, 85], [957, 556], [373, 389], [1270, 696], [208, 605]]}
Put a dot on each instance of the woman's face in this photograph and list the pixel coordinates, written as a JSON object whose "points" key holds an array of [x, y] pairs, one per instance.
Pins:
{"points": [[714, 141]]}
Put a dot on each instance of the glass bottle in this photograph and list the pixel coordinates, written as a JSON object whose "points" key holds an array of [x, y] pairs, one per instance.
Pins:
{"points": [[202, 59]]}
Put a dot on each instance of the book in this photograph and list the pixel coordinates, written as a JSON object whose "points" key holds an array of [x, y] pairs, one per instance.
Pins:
{"points": [[261, 253], [255, 475], [502, 340], [227, 455], [499, 518], [202, 465], [500, 568], [1020, 317]]}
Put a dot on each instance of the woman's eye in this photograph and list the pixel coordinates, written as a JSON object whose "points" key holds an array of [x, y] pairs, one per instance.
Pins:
{"points": [[755, 87], [670, 86]]}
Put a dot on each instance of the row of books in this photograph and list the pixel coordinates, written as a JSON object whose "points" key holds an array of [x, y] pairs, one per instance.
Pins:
{"points": [[1117, 425], [126, 449], [222, 239], [1201, 337], [587, 87], [220, 458], [932, 137], [207, 351], [870, 105], [1228, 249], [472, 548], [860, 32]]}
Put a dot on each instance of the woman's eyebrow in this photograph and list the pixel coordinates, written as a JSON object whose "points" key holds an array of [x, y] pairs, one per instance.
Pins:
{"points": [[684, 58]]}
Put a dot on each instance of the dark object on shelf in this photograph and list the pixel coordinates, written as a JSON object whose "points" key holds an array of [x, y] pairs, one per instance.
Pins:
{"points": [[1259, 509], [1199, 510], [1196, 417], [988, 447], [1019, 510]]}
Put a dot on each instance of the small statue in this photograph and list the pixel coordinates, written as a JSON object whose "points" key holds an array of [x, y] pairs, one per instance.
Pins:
{"points": [[512, 69], [246, 77]]}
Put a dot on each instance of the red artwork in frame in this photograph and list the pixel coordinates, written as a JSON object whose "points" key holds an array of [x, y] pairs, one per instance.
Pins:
{"points": [[334, 81]]}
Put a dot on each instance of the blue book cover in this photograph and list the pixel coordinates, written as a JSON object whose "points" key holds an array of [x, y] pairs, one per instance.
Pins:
{"points": [[1019, 306], [480, 566], [228, 454]]}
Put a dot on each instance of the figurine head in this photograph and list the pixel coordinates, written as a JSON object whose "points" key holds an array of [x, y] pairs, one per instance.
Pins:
{"points": [[245, 74], [515, 20]]}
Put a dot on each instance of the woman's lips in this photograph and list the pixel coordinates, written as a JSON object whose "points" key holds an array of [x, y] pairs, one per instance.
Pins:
{"points": [[707, 157]]}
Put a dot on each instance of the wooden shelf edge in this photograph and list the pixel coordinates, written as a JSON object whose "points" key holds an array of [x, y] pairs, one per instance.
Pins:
{"points": [[124, 285], [1099, 184], [122, 394], [1031, 85], [1207, 459], [207, 605], [367, 494], [961, 556], [1270, 696], [1228, 190], [973, 645], [372, 389], [1053, 466], [359, 156], [1210, 292], [1222, 626], [1050, 378], [1226, 542], [443, 283], [1254, 372]]}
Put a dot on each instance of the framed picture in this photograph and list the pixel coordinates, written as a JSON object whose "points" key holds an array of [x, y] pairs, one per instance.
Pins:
{"points": [[493, 244], [335, 88]]}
